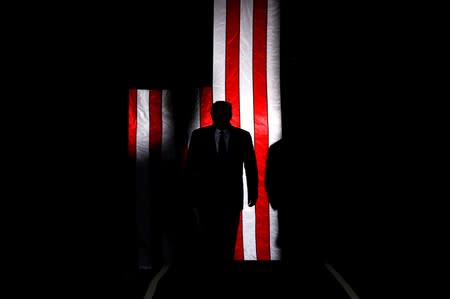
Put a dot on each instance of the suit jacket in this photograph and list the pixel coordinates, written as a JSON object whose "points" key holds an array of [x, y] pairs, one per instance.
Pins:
{"points": [[220, 183]]}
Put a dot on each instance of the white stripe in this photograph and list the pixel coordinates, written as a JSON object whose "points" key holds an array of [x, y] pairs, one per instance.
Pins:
{"points": [[142, 173], [273, 102], [219, 40], [246, 113], [167, 142], [143, 125]]}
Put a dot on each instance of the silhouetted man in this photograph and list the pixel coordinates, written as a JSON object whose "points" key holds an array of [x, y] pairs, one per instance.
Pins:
{"points": [[217, 156], [275, 182]]}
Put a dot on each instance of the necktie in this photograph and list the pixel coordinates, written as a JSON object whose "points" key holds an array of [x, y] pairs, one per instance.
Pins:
{"points": [[222, 147]]}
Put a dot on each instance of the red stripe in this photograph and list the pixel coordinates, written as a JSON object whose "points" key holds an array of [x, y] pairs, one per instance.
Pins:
{"points": [[132, 122], [261, 125], [155, 122], [205, 106], [232, 86]]}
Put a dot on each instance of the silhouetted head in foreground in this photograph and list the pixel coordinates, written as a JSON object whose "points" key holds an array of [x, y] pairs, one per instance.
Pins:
{"points": [[221, 114]]}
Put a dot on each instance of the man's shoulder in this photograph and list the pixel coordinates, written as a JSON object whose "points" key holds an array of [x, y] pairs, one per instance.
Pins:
{"points": [[240, 131], [202, 130], [237, 129]]}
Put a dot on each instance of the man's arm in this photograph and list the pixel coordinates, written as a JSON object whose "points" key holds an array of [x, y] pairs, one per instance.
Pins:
{"points": [[274, 178], [251, 170], [269, 178]]}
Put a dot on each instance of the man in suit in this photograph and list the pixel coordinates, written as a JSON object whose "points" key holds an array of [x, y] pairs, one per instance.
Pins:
{"points": [[216, 158]]}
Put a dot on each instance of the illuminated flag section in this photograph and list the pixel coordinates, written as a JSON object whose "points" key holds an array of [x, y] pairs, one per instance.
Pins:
{"points": [[246, 72], [150, 125], [150, 141]]}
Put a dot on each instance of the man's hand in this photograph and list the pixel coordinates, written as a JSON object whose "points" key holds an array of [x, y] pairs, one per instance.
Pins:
{"points": [[251, 202]]}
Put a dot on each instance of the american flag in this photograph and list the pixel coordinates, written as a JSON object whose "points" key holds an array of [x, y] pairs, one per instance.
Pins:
{"points": [[246, 72], [246, 60]]}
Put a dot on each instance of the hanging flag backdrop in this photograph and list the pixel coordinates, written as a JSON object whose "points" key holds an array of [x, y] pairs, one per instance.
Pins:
{"points": [[246, 56], [246, 72]]}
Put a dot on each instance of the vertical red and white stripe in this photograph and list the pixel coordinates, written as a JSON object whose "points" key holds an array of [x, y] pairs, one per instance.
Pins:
{"points": [[246, 72], [150, 127]]}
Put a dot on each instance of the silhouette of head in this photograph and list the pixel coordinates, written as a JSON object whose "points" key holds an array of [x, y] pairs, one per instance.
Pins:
{"points": [[221, 113]]}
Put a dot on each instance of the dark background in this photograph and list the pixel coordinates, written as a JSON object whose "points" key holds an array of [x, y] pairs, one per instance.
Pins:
{"points": [[352, 112], [343, 114], [347, 75]]}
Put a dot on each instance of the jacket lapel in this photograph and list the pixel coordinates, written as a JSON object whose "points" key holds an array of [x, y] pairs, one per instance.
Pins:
{"points": [[212, 141]]}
